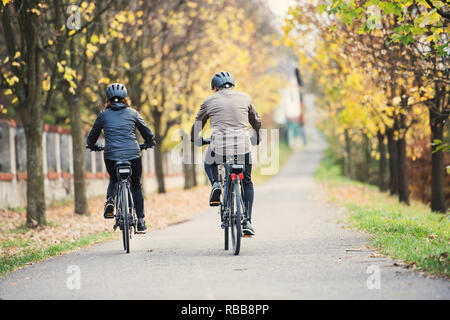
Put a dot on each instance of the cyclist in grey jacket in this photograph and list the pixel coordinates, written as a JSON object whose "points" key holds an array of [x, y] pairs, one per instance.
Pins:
{"points": [[230, 112], [119, 122]]}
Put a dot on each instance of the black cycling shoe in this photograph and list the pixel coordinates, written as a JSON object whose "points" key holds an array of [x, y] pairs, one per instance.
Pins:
{"points": [[214, 198], [141, 227], [109, 209], [247, 230]]}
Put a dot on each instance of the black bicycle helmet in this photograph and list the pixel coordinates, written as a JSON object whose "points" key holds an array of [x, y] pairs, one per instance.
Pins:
{"points": [[116, 90], [221, 79]]}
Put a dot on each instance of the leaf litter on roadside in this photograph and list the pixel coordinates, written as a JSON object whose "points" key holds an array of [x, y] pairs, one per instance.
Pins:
{"points": [[63, 225]]}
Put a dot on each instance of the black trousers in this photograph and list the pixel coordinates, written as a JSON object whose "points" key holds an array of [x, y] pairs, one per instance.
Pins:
{"points": [[136, 187], [211, 162]]}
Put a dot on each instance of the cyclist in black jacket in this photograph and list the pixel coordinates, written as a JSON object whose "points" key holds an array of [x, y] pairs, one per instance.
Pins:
{"points": [[119, 122]]}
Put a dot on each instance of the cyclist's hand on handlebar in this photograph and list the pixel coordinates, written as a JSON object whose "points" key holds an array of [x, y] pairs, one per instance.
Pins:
{"points": [[149, 144], [96, 147], [152, 143], [206, 141], [255, 139]]}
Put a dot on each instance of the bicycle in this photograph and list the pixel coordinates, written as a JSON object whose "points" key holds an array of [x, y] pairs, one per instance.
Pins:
{"points": [[125, 217], [232, 210]]}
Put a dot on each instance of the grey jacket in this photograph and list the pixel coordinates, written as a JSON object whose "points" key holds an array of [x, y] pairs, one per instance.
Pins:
{"points": [[230, 113], [119, 124]]}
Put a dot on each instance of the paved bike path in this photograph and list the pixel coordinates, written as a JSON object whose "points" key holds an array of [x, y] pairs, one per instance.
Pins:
{"points": [[301, 251]]}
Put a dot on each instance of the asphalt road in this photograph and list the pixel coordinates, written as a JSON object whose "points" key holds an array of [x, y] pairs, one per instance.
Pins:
{"points": [[301, 251]]}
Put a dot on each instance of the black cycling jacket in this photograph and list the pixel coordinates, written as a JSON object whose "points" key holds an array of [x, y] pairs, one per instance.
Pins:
{"points": [[119, 124]]}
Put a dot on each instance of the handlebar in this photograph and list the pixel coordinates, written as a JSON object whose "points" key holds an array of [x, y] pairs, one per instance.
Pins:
{"points": [[255, 140], [145, 146], [98, 148]]}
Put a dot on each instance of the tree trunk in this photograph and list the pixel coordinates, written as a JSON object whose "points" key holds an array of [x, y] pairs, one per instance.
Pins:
{"points": [[159, 168], [35, 174], [382, 163], [393, 163], [187, 169], [79, 159], [437, 168], [187, 163], [348, 165], [31, 114], [194, 167], [403, 187], [367, 159]]}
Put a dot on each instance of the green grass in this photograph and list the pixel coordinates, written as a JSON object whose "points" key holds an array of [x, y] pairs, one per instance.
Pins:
{"points": [[412, 233], [11, 262]]}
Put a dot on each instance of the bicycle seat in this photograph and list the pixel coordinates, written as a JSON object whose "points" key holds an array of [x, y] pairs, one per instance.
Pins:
{"points": [[122, 164], [237, 168], [123, 169], [234, 159]]}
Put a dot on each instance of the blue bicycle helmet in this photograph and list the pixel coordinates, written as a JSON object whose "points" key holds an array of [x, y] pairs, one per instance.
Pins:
{"points": [[221, 79], [116, 90]]}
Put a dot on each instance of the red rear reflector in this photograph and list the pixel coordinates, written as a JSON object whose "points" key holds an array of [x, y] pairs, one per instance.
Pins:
{"points": [[241, 176], [233, 176]]}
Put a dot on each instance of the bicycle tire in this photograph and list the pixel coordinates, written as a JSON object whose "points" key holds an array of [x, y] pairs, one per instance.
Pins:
{"points": [[132, 217], [119, 214], [224, 223], [226, 236], [126, 225], [235, 219]]}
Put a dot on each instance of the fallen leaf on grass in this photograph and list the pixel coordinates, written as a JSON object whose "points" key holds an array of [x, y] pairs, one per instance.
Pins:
{"points": [[406, 265], [443, 257], [376, 255]]}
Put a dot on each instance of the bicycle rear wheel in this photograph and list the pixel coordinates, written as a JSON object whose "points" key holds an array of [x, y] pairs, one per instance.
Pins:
{"points": [[225, 232], [235, 218], [126, 225], [224, 220]]}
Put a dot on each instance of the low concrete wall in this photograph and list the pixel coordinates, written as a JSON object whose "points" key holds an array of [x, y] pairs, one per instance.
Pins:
{"points": [[58, 167]]}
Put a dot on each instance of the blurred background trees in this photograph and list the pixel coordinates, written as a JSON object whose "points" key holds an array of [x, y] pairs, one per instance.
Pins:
{"points": [[57, 57], [381, 73]]}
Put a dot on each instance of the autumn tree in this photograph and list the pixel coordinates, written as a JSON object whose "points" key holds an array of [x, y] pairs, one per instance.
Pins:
{"points": [[376, 48], [421, 27]]}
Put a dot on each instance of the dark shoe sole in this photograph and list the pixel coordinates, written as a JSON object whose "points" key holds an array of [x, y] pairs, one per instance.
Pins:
{"points": [[109, 211], [141, 228], [248, 232], [214, 199], [108, 215]]}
